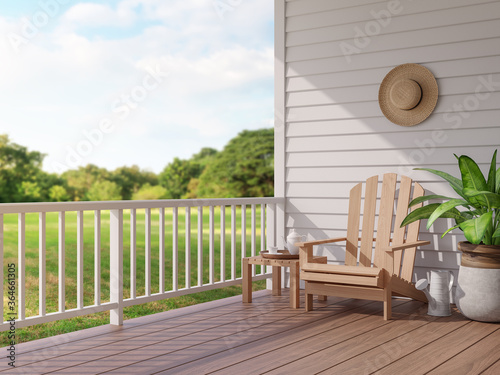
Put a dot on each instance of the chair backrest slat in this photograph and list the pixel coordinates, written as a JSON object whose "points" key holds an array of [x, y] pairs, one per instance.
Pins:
{"points": [[384, 227], [365, 256], [388, 226], [401, 212], [411, 236], [351, 256]]}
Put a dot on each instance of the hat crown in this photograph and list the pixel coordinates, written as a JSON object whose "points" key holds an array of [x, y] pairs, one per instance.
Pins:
{"points": [[405, 94]]}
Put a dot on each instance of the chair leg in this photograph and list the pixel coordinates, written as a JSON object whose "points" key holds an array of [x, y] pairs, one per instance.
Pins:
{"points": [[322, 298], [387, 303], [309, 302]]}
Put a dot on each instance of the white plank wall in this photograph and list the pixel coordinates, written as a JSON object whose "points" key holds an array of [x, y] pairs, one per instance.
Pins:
{"points": [[336, 135]]}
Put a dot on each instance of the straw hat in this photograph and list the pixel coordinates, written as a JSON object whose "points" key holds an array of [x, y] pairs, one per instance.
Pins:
{"points": [[408, 94]]}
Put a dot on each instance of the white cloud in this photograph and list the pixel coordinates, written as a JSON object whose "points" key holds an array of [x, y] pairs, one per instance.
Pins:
{"points": [[92, 15], [66, 81]]}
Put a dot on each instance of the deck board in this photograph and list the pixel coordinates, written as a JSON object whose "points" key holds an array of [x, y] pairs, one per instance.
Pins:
{"points": [[341, 336]]}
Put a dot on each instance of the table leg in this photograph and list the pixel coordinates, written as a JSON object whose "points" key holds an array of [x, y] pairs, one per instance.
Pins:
{"points": [[247, 280], [295, 285], [276, 281]]}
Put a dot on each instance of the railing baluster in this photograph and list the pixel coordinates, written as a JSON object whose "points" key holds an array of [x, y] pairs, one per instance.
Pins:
{"points": [[97, 257], [42, 263], [175, 249], [270, 228], [271, 233], [262, 227], [1, 270], [188, 247], [254, 235], [21, 271], [243, 231], [211, 246], [200, 246], [161, 232], [116, 265], [79, 259], [148, 251], [133, 247], [233, 242], [222, 243], [262, 233], [62, 261]]}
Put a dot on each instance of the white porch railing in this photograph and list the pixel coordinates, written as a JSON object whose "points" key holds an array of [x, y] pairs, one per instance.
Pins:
{"points": [[260, 218]]}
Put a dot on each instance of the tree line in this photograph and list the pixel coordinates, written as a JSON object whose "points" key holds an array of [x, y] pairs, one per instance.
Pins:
{"points": [[244, 168]]}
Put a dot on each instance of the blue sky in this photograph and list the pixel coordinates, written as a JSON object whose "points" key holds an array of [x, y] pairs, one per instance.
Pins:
{"points": [[123, 82]]}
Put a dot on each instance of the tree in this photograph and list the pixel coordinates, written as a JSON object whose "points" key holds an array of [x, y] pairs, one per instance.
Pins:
{"points": [[176, 176], [205, 156], [58, 193], [46, 182], [30, 191], [148, 192], [104, 191], [245, 168], [19, 171], [131, 179], [81, 180]]}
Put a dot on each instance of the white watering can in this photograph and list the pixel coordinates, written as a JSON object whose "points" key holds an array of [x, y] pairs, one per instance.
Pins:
{"points": [[438, 293], [291, 240]]}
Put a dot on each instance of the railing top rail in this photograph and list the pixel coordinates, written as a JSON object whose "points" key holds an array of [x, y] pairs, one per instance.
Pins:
{"points": [[15, 208]]}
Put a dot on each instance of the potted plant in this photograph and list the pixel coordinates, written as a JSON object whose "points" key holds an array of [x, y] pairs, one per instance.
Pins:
{"points": [[478, 289]]}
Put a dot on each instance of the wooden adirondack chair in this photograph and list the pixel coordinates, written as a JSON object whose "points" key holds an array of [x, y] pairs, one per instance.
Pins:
{"points": [[367, 274]]}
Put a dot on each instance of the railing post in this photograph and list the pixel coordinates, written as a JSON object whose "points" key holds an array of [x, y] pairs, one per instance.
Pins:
{"points": [[1, 269], [116, 265]]}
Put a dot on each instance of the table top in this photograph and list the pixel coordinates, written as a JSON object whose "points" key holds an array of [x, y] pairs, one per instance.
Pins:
{"points": [[279, 262]]}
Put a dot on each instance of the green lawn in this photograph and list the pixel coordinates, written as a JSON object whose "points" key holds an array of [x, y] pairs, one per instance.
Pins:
{"points": [[32, 261]]}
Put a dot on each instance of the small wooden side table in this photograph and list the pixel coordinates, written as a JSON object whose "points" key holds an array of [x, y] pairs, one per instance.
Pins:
{"points": [[276, 264]]}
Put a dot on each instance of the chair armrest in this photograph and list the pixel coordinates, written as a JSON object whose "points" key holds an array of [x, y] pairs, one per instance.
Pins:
{"points": [[306, 248], [320, 242], [406, 246]]}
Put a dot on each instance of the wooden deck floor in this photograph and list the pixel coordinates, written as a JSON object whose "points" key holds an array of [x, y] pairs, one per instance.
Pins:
{"points": [[228, 337]]}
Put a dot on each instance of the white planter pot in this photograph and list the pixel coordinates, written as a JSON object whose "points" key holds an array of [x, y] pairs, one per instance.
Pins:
{"points": [[478, 287], [478, 293]]}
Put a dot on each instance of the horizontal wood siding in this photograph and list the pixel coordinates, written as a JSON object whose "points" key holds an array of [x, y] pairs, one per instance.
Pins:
{"points": [[336, 135]]}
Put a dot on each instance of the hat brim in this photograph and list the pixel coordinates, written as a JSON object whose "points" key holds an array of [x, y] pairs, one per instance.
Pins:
{"points": [[427, 103]]}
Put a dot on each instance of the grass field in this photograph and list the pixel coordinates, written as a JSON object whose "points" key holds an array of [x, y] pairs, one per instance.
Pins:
{"points": [[32, 268]]}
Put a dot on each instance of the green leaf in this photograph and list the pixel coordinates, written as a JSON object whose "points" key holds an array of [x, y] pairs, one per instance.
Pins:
{"points": [[498, 181], [426, 198], [488, 235], [426, 211], [475, 229], [420, 213], [449, 230], [490, 200], [471, 214], [444, 207], [492, 184], [454, 182], [472, 178], [497, 233]]}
